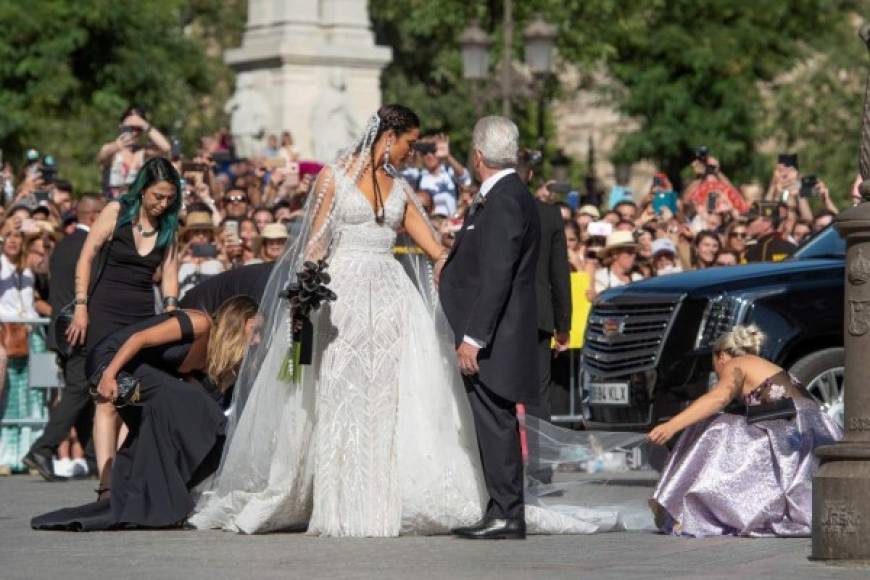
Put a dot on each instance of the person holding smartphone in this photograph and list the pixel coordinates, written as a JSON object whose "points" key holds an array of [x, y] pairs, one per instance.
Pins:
{"points": [[441, 174], [199, 253], [122, 157]]}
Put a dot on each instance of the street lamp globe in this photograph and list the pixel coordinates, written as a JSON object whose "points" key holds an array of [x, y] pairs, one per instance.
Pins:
{"points": [[540, 38], [475, 44]]}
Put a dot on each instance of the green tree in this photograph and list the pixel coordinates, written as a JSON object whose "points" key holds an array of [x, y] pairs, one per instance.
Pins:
{"points": [[68, 70], [817, 110], [691, 71]]}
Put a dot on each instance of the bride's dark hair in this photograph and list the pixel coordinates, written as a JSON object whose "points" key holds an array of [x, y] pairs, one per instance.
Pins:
{"points": [[400, 119]]}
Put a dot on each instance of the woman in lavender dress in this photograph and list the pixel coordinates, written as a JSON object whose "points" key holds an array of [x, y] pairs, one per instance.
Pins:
{"points": [[729, 477]]}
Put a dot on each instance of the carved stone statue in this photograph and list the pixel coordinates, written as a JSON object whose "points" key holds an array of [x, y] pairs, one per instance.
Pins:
{"points": [[250, 116], [332, 123]]}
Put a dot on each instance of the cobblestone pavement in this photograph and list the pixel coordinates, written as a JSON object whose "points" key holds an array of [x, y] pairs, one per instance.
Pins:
{"points": [[215, 555]]}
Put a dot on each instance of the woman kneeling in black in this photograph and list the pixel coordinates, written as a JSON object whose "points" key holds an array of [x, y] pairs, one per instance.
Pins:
{"points": [[184, 362]]}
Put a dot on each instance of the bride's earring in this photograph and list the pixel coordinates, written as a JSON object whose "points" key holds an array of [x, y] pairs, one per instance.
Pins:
{"points": [[389, 169]]}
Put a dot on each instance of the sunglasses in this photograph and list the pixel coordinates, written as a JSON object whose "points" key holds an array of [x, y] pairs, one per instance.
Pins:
{"points": [[741, 235], [237, 198]]}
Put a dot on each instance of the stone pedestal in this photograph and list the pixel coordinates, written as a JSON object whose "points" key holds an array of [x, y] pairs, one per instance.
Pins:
{"points": [[841, 488], [305, 60]]}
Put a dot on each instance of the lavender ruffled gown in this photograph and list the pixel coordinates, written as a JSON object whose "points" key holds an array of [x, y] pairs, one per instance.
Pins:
{"points": [[727, 477]]}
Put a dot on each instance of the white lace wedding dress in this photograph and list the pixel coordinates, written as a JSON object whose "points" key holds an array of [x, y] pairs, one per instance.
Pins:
{"points": [[378, 439]]}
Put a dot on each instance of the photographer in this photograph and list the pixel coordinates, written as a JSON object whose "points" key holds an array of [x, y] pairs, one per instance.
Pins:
{"points": [[199, 253], [441, 174], [122, 157]]}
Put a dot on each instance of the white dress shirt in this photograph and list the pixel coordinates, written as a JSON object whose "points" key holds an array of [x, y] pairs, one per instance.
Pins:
{"points": [[485, 188]]}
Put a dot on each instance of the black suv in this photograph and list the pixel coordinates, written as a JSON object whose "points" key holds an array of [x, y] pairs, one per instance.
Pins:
{"points": [[647, 348]]}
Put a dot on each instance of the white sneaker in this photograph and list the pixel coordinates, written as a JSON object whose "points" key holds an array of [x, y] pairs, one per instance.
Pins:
{"points": [[79, 468], [63, 467]]}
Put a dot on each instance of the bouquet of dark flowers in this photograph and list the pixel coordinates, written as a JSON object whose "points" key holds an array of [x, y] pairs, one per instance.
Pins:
{"points": [[305, 294]]}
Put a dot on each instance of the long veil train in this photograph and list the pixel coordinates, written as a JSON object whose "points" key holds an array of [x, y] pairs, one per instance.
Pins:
{"points": [[265, 481]]}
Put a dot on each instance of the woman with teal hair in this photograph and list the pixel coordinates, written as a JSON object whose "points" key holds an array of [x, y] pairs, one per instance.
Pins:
{"points": [[133, 239]]}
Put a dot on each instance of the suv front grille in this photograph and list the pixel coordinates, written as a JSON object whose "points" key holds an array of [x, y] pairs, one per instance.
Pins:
{"points": [[625, 338]]}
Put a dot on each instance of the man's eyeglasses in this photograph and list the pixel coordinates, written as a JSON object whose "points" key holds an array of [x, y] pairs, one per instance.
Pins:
{"points": [[741, 235], [237, 198]]}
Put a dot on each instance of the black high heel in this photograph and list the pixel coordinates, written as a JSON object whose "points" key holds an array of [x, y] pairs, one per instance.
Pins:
{"points": [[101, 491]]}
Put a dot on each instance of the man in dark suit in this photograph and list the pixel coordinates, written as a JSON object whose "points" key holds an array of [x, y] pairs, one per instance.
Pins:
{"points": [[487, 289], [209, 294], [75, 408], [553, 285]]}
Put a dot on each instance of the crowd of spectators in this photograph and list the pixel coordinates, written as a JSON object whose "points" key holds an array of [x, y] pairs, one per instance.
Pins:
{"points": [[243, 211]]}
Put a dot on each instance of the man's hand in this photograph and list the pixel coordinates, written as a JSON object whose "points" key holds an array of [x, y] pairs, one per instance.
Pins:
{"points": [[661, 434], [562, 340], [466, 354]]}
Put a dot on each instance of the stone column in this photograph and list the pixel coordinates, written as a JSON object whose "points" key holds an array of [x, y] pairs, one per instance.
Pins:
{"points": [[297, 56], [841, 488]]}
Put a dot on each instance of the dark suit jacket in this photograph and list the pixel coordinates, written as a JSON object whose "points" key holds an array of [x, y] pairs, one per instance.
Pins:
{"points": [[209, 294], [62, 273], [488, 288], [553, 275]]}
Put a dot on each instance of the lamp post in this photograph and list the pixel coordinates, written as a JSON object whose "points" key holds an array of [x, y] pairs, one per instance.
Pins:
{"points": [[475, 43], [540, 41], [841, 488]]}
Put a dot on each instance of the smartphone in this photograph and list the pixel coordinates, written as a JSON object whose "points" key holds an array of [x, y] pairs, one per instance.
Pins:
{"points": [[28, 225], [127, 129], [559, 187], [599, 229], [232, 228], [711, 201], [292, 178], [424, 148], [190, 167], [204, 250], [808, 185], [40, 196]]}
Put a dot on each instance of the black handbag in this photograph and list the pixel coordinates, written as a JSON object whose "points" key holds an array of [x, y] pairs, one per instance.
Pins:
{"points": [[64, 318], [128, 387], [781, 409]]}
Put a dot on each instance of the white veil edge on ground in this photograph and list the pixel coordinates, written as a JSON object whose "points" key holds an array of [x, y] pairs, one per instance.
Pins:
{"points": [[253, 464]]}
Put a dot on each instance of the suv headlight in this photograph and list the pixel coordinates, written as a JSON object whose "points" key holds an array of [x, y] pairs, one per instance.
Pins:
{"points": [[725, 312], [721, 315]]}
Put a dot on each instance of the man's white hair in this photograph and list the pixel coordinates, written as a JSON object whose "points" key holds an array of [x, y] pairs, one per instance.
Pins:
{"points": [[497, 140]]}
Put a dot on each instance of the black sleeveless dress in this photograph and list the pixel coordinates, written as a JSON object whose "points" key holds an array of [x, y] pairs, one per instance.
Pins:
{"points": [[124, 293], [175, 441]]}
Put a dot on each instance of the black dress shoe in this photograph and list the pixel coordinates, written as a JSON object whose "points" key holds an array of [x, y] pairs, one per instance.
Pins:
{"points": [[490, 528], [41, 464]]}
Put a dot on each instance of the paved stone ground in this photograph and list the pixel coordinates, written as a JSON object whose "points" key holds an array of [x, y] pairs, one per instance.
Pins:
{"points": [[215, 555]]}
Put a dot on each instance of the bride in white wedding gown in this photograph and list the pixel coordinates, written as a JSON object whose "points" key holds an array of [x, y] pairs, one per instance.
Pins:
{"points": [[377, 438]]}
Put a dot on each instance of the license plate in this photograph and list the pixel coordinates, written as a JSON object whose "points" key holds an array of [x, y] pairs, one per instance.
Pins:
{"points": [[608, 393]]}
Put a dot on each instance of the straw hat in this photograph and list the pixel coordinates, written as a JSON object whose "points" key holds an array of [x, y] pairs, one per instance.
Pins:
{"points": [[198, 221], [618, 240], [591, 211], [274, 232]]}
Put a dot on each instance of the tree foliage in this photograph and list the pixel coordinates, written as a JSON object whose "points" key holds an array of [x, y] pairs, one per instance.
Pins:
{"points": [[69, 69]]}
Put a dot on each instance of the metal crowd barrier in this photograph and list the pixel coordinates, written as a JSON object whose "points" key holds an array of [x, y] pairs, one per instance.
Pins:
{"points": [[43, 372]]}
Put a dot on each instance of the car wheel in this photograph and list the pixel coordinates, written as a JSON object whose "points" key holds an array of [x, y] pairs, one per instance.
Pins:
{"points": [[822, 372]]}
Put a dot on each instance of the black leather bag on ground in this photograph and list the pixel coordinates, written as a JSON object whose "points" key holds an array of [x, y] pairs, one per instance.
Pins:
{"points": [[781, 409]]}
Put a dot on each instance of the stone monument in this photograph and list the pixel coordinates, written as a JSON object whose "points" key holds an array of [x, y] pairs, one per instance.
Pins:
{"points": [[841, 488], [308, 62]]}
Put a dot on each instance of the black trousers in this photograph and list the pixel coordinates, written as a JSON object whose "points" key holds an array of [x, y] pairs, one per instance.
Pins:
{"points": [[498, 437], [75, 409], [542, 409]]}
